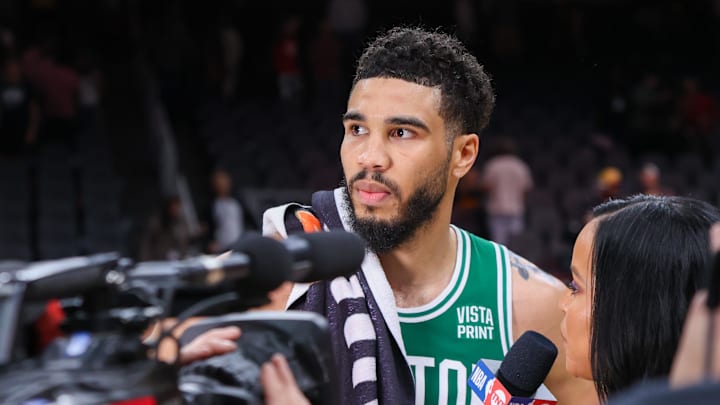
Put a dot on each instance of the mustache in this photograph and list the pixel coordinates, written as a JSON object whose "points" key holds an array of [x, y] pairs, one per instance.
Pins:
{"points": [[378, 178]]}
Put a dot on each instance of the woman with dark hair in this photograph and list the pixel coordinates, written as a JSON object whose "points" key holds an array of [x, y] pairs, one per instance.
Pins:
{"points": [[636, 266]]}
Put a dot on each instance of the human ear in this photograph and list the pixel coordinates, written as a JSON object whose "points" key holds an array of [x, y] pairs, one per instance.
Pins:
{"points": [[465, 151]]}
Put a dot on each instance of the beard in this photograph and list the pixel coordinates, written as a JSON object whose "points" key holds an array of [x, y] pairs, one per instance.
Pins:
{"points": [[383, 235]]}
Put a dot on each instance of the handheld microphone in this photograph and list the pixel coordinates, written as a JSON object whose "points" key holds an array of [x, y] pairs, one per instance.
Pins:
{"points": [[521, 373], [324, 255], [300, 258], [265, 263]]}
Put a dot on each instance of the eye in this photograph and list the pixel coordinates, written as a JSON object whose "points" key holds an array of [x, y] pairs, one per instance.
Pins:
{"points": [[573, 287], [357, 129], [402, 133]]}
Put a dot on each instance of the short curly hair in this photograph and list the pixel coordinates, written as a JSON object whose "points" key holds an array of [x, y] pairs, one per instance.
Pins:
{"points": [[433, 59]]}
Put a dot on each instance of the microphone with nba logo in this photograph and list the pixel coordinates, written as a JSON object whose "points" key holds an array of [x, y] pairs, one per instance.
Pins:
{"points": [[519, 379]]}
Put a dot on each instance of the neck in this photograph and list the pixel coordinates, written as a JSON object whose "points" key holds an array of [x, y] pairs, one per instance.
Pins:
{"points": [[421, 268]]}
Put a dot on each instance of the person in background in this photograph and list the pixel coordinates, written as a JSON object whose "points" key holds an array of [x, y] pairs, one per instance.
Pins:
{"points": [[650, 182], [507, 180], [469, 205], [286, 60], [609, 184], [649, 115], [227, 214], [168, 235], [699, 114], [348, 20], [635, 268], [325, 54], [19, 111], [89, 90], [59, 92]]}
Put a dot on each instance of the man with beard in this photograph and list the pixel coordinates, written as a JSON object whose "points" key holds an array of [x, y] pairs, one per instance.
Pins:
{"points": [[430, 299], [434, 296]]}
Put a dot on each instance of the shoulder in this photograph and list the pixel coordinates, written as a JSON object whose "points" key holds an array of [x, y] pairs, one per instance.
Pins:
{"points": [[529, 282], [536, 294], [528, 271], [535, 299]]}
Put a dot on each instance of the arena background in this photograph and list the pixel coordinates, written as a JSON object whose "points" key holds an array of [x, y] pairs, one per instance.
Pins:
{"points": [[168, 91]]}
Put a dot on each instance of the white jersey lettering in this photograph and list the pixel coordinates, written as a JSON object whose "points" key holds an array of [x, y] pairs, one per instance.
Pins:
{"points": [[419, 363]]}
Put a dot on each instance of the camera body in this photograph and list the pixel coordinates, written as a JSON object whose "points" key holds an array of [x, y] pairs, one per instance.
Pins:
{"points": [[102, 358], [302, 337]]}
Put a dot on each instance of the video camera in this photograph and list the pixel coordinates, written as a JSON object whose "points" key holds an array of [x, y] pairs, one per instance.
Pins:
{"points": [[109, 302]]}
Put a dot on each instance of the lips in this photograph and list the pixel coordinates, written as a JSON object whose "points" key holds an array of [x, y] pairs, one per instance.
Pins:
{"points": [[371, 193], [371, 187], [372, 197]]}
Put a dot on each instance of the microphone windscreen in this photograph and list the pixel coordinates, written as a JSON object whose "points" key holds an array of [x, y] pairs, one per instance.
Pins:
{"points": [[333, 254], [270, 262], [527, 363]]}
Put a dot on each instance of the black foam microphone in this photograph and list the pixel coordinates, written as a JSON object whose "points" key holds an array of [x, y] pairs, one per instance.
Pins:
{"points": [[258, 262], [527, 363], [324, 255], [265, 263]]}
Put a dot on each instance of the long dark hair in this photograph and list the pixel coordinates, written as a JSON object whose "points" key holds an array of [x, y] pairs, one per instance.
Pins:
{"points": [[649, 257]]}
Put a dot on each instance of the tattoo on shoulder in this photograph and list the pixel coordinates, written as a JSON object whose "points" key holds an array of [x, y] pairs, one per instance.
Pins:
{"points": [[525, 268]]}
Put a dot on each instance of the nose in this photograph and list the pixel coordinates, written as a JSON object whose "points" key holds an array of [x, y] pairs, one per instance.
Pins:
{"points": [[373, 154], [563, 301]]}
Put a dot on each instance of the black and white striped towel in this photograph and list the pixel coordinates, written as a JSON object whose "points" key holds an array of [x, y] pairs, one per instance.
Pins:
{"points": [[369, 355]]}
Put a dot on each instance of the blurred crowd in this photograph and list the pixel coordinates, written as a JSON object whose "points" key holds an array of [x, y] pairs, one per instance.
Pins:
{"points": [[46, 93], [253, 91]]}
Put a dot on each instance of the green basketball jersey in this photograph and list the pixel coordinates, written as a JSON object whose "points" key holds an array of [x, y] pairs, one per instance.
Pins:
{"points": [[470, 320]]}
